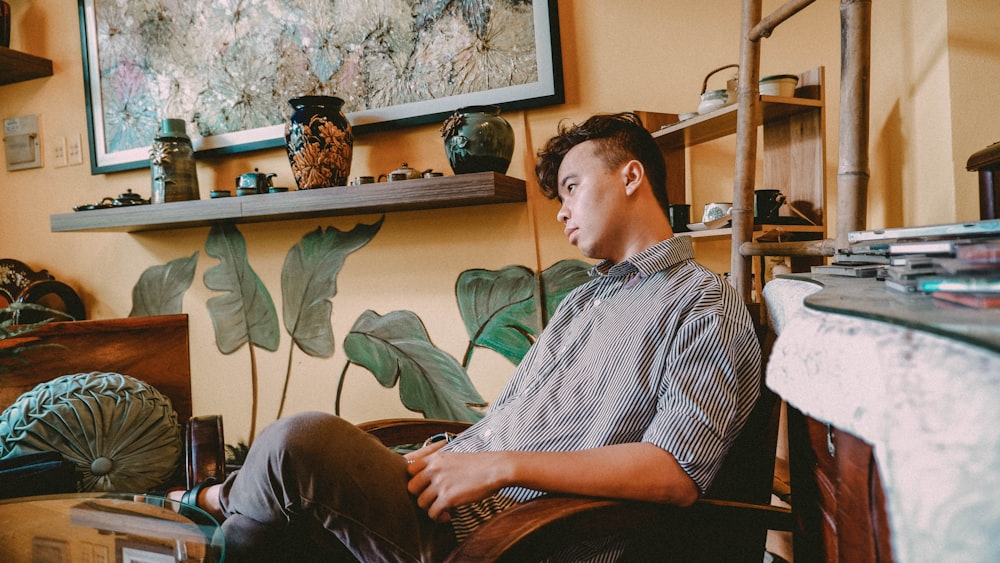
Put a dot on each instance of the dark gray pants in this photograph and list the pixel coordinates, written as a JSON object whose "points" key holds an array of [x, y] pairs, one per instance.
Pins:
{"points": [[316, 482]]}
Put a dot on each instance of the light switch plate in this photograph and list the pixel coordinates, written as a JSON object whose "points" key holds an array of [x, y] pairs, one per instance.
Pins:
{"points": [[22, 144], [74, 149], [58, 148]]}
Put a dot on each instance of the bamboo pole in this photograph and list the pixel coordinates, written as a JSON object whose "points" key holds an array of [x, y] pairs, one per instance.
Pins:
{"points": [[825, 247], [747, 121], [775, 18], [852, 170]]}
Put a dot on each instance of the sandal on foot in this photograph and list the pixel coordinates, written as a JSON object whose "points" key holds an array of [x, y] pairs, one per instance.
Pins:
{"points": [[190, 497]]}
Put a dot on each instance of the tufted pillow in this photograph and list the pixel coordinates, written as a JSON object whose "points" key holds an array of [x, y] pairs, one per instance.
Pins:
{"points": [[121, 433]]}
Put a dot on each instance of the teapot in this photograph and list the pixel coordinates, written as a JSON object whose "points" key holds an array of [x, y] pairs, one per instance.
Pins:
{"points": [[128, 198], [258, 181], [404, 172]]}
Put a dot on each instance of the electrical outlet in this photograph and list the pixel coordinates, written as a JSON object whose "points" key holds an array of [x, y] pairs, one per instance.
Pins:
{"points": [[59, 152], [74, 150]]}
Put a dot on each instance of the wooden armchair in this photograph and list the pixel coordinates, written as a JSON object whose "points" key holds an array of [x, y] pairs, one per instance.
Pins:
{"points": [[730, 524]]}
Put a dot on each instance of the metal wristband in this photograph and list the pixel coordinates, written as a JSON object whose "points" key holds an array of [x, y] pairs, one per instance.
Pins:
{"points": [[446, 436]]}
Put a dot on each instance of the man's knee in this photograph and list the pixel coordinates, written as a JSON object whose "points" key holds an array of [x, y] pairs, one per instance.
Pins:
{"points": [[305, 431]]}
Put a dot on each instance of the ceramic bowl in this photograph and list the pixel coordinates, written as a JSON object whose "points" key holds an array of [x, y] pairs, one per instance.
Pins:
{"points": [[779, 85]]}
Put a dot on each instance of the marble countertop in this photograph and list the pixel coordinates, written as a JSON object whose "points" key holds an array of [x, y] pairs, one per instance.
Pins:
{"points": [[927, 399]]}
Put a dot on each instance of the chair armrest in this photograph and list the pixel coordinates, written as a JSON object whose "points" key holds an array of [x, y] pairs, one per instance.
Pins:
{"points": [[204, 449], [400, 431], [542, 527]]}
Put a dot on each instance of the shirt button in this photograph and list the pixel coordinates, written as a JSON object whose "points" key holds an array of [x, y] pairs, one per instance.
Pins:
{"points": [[487, 433], [597, 302]]}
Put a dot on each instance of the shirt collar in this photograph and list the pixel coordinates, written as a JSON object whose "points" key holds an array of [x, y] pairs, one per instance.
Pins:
{"points": [[660, 256]]}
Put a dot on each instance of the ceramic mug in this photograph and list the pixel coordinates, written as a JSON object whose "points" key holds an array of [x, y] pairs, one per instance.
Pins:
{"points": [[766, 204], [716, 210], [393, 177], [679, 215]]}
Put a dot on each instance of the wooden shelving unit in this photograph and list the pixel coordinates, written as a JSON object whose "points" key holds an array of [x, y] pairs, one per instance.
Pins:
{"points": [[727, 232], [403, 195], [793, 153], [722, 122], [16, 66]]}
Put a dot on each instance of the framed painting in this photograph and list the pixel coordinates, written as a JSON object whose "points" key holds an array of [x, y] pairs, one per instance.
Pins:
{"points": [[135, 551], [228, 69], [49, 550]]}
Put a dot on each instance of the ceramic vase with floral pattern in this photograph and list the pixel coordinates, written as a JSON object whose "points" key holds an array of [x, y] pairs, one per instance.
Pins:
{"points": [[319, 141], [477, 139]]}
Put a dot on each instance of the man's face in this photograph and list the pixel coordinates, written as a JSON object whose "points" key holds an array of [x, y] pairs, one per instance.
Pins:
{"points": [[592, 197]]}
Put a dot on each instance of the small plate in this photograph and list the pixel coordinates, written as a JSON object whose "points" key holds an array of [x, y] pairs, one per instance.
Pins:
{"points": [[719, 223]]}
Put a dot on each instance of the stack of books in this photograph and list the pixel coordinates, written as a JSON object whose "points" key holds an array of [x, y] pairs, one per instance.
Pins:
{"points": [[971, 278], [959, 262]]}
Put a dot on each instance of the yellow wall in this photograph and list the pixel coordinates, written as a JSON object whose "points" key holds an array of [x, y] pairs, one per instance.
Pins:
{"points": [[936, 68]]}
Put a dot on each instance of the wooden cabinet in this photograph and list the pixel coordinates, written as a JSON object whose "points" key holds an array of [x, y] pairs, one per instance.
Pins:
{"points": [[16, 66], [794, 160], [840, 512]]}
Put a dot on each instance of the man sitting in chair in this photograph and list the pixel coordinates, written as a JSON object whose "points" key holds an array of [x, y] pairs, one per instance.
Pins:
{"points": [[635, 390]]}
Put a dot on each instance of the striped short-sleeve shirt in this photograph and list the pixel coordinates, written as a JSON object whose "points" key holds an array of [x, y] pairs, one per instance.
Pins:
{"points": [[654, 349]]}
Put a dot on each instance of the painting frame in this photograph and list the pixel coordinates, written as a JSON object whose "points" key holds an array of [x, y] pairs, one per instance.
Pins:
{"points": [[104, 117]]}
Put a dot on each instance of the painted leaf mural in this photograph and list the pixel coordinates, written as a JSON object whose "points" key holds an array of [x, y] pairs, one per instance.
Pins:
{"points": [[245, 311], [499, 306], [396, 348], [561, 278], [160, 289], [309, 282], [498, 309]]}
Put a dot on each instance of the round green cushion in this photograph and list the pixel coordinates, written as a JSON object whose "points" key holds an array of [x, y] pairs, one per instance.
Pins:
{"points": [[121, 432]]}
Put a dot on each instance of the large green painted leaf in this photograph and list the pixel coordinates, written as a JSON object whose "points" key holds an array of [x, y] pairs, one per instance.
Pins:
{"points": [[498, 308], [396, 347], [561, 278], [309, 282], [160, 289], [245, 312]]}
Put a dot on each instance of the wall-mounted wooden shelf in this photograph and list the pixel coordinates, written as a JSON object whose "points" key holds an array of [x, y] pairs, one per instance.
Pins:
{"points": [[402, 195], [727, 232], [16, 66]]}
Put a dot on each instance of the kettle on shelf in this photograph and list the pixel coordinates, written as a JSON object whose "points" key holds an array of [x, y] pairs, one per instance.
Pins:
{"points": [[404, 172], [255, 181]]}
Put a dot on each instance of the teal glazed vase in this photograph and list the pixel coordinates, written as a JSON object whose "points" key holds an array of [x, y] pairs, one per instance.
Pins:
{"points": [[320, 142], [478, 139]]}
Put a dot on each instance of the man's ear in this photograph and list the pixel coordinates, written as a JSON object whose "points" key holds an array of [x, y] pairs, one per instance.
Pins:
{"points": [[632, 174]]}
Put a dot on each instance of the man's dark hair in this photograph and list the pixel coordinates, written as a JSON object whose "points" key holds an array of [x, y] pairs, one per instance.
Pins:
{"points": [[621, 137]]}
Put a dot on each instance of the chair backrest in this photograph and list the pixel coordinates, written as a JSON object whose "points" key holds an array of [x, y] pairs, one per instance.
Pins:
{"points": [[747, 474]]}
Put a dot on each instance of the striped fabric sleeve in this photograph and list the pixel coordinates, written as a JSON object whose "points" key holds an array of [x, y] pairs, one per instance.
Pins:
{"points": [[708, 395]]}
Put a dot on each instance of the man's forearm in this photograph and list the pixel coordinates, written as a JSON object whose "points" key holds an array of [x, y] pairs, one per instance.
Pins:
{"points": [[637, 471]]}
